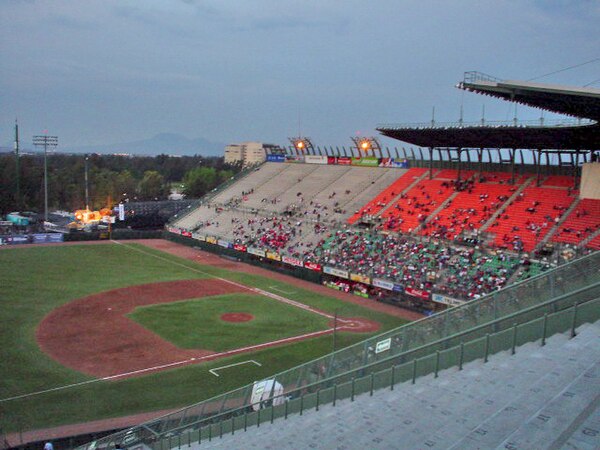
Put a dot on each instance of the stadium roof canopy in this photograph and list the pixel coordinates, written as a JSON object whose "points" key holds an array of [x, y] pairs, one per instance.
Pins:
{"points": [[582, 133]]}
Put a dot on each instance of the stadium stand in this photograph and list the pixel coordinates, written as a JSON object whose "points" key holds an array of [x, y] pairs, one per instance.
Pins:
{"points": [[514, 401]]}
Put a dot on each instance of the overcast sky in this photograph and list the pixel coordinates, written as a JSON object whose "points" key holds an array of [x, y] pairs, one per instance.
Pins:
{"points": [[106, 71]]}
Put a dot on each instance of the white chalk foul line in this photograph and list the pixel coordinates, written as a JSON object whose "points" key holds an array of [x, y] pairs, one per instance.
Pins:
{"points": [[214, 371]]}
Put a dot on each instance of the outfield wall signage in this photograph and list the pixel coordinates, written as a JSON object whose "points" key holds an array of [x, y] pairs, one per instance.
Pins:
{"points": [[211, 239], [223, 243], [383, 346], [398, 287], [294, 158], [417, 293], [383, 284], [21, 239], [274, 256], [438, 298], [256, 251], [199, 237], [313, 266], [315, 159], [240, 248], [292, 261], [275, 158], [39, 238], [360, 278], [336, 272], [331, 160], [186, 233]]}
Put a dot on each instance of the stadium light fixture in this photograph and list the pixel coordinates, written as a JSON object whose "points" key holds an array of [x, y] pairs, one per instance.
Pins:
{"points": [[302, 144], [45, 141], [366, 144]]}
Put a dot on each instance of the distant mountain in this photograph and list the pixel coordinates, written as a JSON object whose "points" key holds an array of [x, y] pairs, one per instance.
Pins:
{"points": [[163, 143]]}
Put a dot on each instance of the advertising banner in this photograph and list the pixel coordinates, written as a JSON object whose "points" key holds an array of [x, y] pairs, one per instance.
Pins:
{"points": [[331, 160], [199, 237], [224, 243], [294, 158], [275, 158], [173, 230], [360, 278], [361, 294], [398, 287], [240, 248], [211, 239], [383, 346], [337, 272], [344, 160], [417, 293], [292, 261], [438, 298], [17, 239], [256, 251], [313, 266], [315, 159], [274, 256], [368, 161], [377, 282], [186, 233], [121, 211], [39, 238]]}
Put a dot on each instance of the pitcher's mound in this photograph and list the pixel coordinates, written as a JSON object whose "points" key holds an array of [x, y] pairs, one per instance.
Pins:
{"points": [[236, 317]]}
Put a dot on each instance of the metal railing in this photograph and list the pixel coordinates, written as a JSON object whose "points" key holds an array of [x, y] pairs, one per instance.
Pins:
{"points": [[575, 283]]}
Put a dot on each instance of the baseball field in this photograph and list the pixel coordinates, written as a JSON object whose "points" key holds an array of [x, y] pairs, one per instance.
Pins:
{"points": [[107, 330]]}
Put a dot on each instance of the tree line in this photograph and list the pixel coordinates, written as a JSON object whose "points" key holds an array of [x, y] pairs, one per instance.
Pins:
{"points": [[120, 178]]}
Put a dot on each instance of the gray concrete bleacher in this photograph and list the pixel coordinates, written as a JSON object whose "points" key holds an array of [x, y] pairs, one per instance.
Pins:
{"points": [[540, 398], [276, 187]]}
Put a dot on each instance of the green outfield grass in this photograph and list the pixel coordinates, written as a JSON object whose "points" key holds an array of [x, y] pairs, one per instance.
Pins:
{"points": [[197, 323], [36, 280]]}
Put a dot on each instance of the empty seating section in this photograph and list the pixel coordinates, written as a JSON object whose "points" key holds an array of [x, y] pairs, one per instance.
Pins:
{"points": [[416, 205], [469, 210], [269, 194], [451, 174], [581, 223], [500, 177], [378, 183], [558, 181], [530, 217], [251, 181], [388, 194]]}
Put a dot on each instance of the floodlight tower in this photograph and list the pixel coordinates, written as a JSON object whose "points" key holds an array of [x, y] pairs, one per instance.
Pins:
{"points": [[302, 144], [366, 145], [45, 141], [17, 168]]}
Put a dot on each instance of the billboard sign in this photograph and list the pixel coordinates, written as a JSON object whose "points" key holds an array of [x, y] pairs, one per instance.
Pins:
{"points": [[383, 284], [313, 266], [360, 278], [274, 256], [256, 251], [315, 159], [336, 272], [292, 261], [275, 158], [417, 293]]}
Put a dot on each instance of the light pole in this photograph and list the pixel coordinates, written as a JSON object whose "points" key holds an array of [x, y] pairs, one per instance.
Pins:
{"points": [[45, 141], [87, 197]]}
